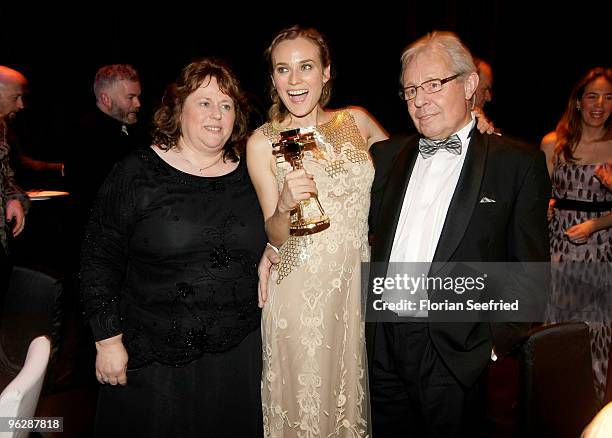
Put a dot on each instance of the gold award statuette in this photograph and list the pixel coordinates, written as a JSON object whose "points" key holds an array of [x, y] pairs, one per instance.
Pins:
{"points": [[308, 217]]}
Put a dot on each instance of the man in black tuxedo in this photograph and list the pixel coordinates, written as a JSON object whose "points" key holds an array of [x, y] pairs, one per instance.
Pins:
{"points": [[448, 195]]}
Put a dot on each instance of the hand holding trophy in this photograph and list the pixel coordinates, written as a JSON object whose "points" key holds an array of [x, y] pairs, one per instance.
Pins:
{"points": [[308, 217]]}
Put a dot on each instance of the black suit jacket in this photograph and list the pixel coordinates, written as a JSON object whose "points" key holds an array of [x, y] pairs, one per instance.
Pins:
{"points": [[96, 145], [514, 228]]}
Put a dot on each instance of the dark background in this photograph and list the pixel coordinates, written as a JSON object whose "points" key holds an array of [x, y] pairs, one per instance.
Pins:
{"points": [[537, 51]]}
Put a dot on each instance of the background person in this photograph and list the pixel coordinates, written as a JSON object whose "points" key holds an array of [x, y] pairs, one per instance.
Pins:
{"points": [[13, 201], [580, 219], [103, 136], [484, 90]]}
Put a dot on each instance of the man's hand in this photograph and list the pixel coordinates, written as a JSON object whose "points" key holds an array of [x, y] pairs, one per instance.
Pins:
{"points": [[270, 257], [14, 211]]}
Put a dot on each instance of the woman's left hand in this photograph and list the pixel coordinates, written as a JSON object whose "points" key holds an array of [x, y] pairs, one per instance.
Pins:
{"points": [[580, 233]]}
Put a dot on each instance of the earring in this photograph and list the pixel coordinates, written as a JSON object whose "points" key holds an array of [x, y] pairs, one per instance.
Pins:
{"points": [[578, 107]]}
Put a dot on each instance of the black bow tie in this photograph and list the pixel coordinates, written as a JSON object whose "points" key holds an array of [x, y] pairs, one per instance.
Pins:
{"points": [[428, 148]]}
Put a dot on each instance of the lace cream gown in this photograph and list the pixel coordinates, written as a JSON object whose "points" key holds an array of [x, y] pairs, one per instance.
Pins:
{"points": [[314, 379]]}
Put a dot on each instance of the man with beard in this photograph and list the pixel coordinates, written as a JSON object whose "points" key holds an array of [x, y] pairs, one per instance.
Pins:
{"points": [[12, 199], [103, 136]]}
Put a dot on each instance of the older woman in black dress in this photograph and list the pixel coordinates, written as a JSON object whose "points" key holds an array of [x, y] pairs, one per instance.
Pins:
{"points": [[169, 278]]}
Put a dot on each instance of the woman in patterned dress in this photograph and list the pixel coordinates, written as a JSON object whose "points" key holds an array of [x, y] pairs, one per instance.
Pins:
{"points": [[314, 378], [580, 219]]}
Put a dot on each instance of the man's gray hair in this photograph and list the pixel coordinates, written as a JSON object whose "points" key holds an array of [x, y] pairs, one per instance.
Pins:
{"points": [[446, 44], [109, 74]]}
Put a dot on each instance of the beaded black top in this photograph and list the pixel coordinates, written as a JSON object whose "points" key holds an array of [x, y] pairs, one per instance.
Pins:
{"points": [[170, 260]]}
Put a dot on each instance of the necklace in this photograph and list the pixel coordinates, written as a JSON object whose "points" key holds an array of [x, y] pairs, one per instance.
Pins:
{"points": [[202, 169]]}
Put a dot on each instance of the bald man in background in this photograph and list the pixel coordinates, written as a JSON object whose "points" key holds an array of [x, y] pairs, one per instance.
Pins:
{"points": [[13, 201]]}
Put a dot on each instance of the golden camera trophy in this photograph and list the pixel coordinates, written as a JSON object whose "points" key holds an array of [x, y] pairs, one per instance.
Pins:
{"points": [[308, 217]]}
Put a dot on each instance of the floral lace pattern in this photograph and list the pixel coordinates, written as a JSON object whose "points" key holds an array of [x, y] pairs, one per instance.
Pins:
{"points": [[314, 380]]}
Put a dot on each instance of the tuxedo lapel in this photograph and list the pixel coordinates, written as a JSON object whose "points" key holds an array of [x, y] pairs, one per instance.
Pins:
{"points": [[394, 199], [464, 199]]}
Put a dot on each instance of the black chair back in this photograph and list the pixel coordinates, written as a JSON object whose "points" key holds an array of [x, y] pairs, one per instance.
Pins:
{"points": [[32, 307], [556, 396]]}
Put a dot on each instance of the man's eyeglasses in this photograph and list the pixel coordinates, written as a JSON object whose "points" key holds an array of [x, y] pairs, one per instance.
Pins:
{"points": [[431, 86]]}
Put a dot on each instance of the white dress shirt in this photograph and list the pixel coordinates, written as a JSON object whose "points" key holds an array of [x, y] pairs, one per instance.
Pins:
{"points": [[428, 196]]}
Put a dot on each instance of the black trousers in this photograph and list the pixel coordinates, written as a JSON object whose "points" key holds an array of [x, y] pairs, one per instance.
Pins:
{"points": [[414, 394]]}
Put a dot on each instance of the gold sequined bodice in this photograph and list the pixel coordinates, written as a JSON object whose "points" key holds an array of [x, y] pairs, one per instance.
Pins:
{"points": [[343, 173]]}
